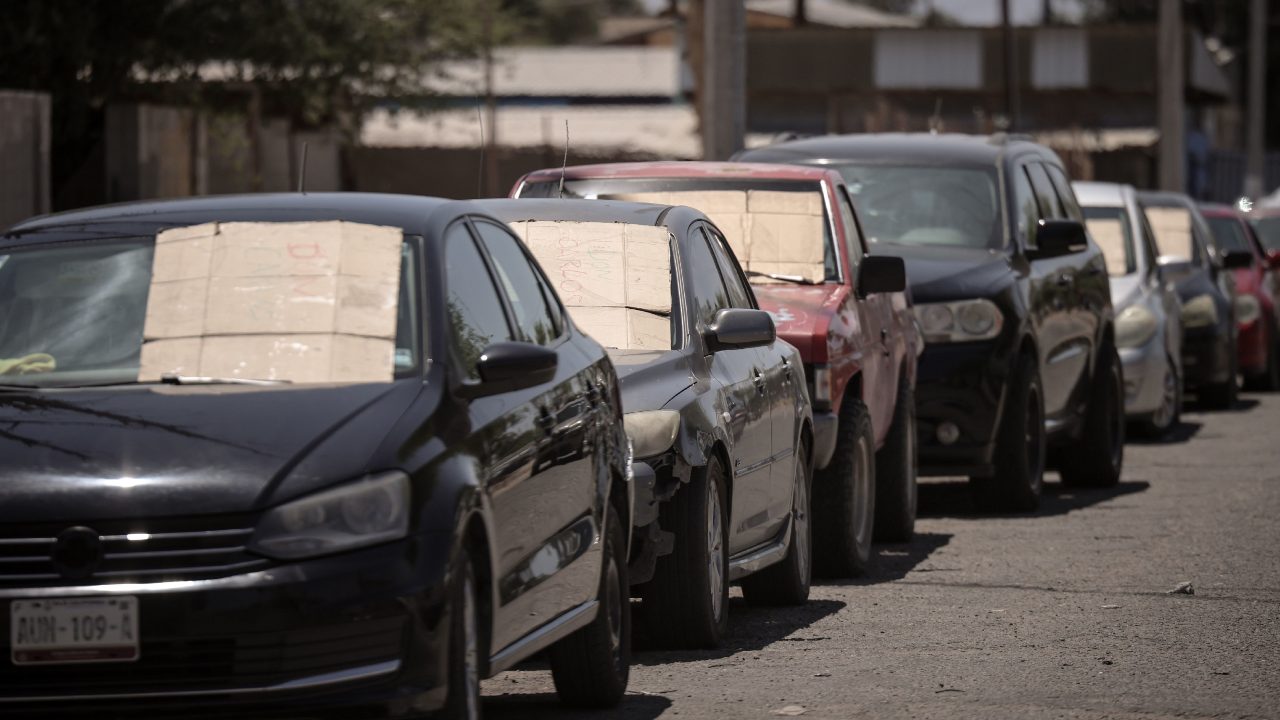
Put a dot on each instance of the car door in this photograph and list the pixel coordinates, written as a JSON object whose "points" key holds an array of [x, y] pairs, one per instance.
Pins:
{"points": [[542, 506], [779, 378], [737, 376], [1064, 349], [1092, 294]]}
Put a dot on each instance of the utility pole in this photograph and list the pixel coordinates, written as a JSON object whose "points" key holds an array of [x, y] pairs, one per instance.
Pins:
{"points": [[1010, 67], [1171, 72], [492, 181], [724, 78], [1253, 180]]}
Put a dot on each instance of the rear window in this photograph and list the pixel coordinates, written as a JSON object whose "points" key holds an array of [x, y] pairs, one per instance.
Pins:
{"points": [[1110, 229]]}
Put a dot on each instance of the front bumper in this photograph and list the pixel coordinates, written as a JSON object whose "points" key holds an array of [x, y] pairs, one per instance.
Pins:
{"points": [[1144, 374], [361, 630], [961, 384], [1206, 357]]}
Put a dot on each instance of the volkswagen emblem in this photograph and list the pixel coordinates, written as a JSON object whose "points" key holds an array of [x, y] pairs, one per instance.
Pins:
{"points": [[77, 552]]}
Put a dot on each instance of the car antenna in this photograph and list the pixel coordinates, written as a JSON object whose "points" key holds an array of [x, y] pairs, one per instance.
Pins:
{"points": [[302, 170], [480, 169], [935, 120], [564, 163]]}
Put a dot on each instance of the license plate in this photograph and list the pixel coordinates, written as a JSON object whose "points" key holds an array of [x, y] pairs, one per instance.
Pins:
{"points": [[78, 630]]}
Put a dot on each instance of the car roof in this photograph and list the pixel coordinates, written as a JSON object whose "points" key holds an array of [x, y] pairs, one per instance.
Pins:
{"points": [[940, 148], [685, 169], [1219, 210], [409, 212], [574, 210], [1165, 198], [1100, 194]]}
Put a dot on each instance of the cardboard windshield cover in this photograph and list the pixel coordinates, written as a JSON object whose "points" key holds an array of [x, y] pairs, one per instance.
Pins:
{"points": [[1172, 228], [305, 302], [1109, 234], [771, 231], [615, 278]]}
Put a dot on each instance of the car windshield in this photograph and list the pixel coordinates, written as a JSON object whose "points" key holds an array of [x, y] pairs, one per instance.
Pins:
{"points": [[1268, 232], [775, 227], [80, 313], [1109, 227], [933, 205], [1229, 234], [1171, 226]]}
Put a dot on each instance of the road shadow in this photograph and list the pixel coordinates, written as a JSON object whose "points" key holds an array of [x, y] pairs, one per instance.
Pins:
{"points": [[892, 561], [952, 499], [1242, 404], [532, 706], [750, 628], [1180, 433]]}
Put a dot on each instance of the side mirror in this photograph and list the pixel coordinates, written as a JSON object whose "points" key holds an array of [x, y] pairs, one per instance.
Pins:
{"points": [[1055, 238], [1273, 259], [508, 366], [881, 274], [1237, 259], [740, 328]]}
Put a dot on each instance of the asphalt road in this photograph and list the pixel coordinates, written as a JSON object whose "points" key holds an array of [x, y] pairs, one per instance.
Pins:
{"points": [[1063, 614]]}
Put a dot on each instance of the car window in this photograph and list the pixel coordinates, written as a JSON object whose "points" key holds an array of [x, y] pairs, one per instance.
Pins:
{"points": [[1025, 210], [739, 295], [527, 295], [1066, 197], [1046, 196], [1172, 228], [476, 317], [857, 246], [1110, 229], [1228, 232], [926, 204], [708, 290], [1268, 229]]}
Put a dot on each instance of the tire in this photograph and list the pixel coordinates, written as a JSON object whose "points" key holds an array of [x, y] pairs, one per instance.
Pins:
{"points": [[1096, 458], [463, 699], [686, 603], [591, 667], [1222, 396], [1158, 424], [896, 489], [1020, 446], [844, 511], [787, 582]]}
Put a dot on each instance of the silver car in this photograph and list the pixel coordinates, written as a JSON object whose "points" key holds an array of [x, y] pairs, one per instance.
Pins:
{"points": [[1148, 311]]}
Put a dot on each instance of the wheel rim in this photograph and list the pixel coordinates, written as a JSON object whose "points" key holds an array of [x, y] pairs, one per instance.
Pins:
{"points": [[800, 521], [1163, 416], [862, 494], [613, 610], [471, 650], [1034, 440], [715, 548]]}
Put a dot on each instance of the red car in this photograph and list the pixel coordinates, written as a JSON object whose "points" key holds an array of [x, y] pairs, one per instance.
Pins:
{"points": [[797, 237], [1257, 296]]}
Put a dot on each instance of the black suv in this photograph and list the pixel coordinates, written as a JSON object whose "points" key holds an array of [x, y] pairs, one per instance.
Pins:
{"points": [[1020, 365]]}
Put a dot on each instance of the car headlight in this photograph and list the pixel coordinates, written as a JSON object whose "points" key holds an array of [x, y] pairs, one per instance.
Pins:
{"points": [[1247, 310], [960, 321], [652, 432], [1199, 311], [355, 515], [1134, 327]]}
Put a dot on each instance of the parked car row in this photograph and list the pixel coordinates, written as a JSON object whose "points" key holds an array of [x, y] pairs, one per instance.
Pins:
{"points": [[301, 452]]}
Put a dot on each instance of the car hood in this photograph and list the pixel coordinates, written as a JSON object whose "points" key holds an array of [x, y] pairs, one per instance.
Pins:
{"points": [[649, 379], [801, 313], [151, 451], [1125, 291], [938, 273]]}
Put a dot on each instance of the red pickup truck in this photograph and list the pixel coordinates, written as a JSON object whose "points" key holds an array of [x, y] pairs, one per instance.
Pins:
{"points": [[796, 234]]}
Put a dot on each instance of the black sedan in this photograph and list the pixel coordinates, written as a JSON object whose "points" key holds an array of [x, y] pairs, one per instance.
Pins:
{"points": [[716, 405], [1020, 362], [442, 491], [1201, 272]]}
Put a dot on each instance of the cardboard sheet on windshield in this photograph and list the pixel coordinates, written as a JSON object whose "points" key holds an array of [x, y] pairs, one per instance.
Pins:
{"points": [[771, 231], [1110, 235], [615, 278], [305, 301], [1172, 228]]}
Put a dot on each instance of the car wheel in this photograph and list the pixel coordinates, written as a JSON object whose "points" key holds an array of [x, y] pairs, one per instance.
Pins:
{"points": [[463, 699], [896, 489], [590, 667], [687, 601], [1020, 446], [844, 507], [1167, 416], [1222, 396], [1097, 457], [787, 582]]}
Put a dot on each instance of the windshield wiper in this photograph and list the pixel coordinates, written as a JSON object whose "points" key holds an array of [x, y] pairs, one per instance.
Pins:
{"points": [[797, 279], [170, 379]]}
